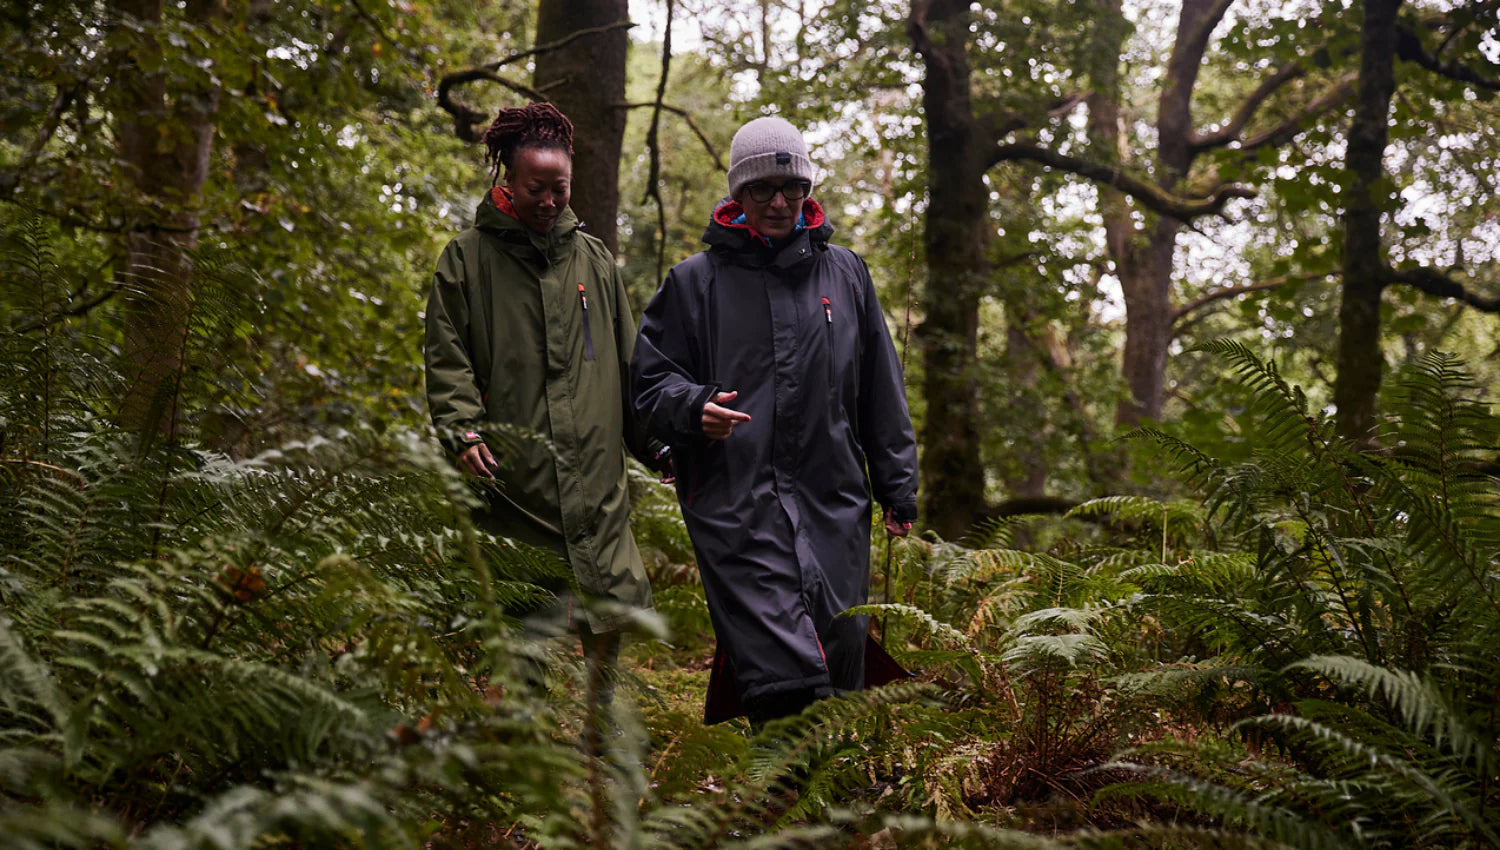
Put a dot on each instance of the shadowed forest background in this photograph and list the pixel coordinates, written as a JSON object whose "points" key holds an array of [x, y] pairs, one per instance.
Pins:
{"points": [[1197, 302]]}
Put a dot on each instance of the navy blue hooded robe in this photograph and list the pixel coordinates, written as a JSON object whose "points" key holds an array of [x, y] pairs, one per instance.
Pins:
{"points": [[779, 513]]}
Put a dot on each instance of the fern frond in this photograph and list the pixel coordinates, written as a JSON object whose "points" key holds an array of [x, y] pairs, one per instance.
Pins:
{"points": [[1422, 710]]}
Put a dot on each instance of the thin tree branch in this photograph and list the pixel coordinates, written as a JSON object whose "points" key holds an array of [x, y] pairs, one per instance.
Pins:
{"points": [[468, 121], [1231, 131], [1434, 282], [653, 143], [1331, 98], [1147, 194], [556, 45], [686, 116], [1231, 291], [1410, 48]]}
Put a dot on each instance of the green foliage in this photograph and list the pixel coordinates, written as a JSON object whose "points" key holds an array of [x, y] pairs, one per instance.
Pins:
{"points": [[1360, 610]]}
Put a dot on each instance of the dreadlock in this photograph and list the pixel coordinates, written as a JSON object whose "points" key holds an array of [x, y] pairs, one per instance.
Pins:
{"points": [[536, 125]]}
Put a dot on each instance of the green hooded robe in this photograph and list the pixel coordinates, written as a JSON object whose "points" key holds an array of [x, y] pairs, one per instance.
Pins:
{"points": [[533, 331]]}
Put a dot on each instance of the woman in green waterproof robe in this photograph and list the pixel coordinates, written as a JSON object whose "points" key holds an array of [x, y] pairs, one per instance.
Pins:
{"points": [[528, 327]]}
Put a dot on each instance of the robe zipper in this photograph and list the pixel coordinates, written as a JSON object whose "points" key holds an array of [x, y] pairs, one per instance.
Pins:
{"points": [[828, 323], [588, 334]]}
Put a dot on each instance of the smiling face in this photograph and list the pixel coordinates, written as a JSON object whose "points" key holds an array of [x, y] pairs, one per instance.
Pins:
{"points": [[776, 217], [540, 182]]}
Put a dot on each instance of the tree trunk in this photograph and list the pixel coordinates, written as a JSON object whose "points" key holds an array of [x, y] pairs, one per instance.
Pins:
{"points": [[1143, 256], [956, 232], [1024, 359], [1145, 272], [166, 138], [1360, 359], [586, 80]]}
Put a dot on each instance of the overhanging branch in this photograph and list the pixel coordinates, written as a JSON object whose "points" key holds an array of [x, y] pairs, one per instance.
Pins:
{"points": [[1434, 282], [1147, 194], [1410, 48], [467, 121], [556, 45]]}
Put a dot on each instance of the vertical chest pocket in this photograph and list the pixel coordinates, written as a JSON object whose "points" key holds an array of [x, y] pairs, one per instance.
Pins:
{"points": [[830, 342], [588, 331]]}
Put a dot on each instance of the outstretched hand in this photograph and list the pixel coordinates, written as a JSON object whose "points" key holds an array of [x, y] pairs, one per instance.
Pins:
{"points": [[896, 529], [718, 421]]}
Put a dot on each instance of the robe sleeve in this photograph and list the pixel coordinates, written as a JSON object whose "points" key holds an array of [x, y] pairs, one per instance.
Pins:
{"points": [[665, 370], [638, 441], [453, 396], [885, 428]]}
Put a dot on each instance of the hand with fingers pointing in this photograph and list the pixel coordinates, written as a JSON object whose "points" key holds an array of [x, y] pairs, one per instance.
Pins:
{"points": [[719, 421]]}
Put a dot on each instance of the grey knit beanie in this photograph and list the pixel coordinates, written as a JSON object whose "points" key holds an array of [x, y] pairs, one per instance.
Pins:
{"points": [[767, 147]]}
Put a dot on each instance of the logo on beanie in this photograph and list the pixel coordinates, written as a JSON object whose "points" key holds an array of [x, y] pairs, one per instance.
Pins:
{"points": [[783, 158]]}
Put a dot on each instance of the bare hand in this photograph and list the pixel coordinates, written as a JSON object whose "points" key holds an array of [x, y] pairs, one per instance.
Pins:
{"points": [[668, 472], [719, 422], [895, 529], [477, 460]]}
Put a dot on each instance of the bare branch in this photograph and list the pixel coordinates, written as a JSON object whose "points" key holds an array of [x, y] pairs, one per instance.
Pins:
{"points": [[467, 121], [1409, 47], [1434, 282], [1231, 131], [653, 187], [1147, 194], [556, 45], [1231, 291], [688, 117]]}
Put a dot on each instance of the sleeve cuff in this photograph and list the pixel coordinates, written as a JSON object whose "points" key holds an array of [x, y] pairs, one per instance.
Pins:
{"points": [[458, 440], [695, 410], [904, 511]]}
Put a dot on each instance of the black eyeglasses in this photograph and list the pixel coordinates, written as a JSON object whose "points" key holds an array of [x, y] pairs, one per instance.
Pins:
{"points": [[792, 190]]}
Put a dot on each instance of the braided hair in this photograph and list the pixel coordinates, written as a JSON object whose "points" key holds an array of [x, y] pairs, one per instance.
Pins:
{"points": [[536, 125]]}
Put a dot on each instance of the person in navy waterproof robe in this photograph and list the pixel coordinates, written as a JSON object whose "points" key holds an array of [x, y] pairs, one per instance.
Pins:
{"points": [[766, 364]]}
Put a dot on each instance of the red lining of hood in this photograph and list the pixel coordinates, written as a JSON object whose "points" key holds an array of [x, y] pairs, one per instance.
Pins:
{"points": [[726, 214], [500, 197]]}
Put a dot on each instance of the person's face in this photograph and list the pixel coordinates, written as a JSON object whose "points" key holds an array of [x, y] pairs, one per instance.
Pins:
{"points": [[775, 217], [540, 183]]}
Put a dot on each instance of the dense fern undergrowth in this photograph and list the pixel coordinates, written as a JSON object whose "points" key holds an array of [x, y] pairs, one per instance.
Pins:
{"points": [[308, 648]]}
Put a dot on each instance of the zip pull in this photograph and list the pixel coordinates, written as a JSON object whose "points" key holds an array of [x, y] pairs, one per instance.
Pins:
{"points": [[588, 333], [827, 310]]}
